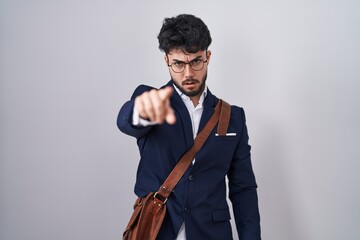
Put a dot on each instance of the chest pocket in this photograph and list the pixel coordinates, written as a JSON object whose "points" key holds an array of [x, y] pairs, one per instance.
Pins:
{"points": [[226, 138]]}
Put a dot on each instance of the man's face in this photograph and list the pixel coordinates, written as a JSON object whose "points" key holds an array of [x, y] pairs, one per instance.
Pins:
{"points": [[189, 81]]}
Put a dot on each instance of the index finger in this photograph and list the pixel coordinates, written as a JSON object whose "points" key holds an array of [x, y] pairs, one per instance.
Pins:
{"points": [[165, 93]]}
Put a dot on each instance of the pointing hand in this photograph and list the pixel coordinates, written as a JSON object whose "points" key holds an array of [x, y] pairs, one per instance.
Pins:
{"points": [[154, 105]]}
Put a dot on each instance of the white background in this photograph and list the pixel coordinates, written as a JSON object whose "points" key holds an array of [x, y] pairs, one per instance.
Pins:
{"points": [[66, 67]]}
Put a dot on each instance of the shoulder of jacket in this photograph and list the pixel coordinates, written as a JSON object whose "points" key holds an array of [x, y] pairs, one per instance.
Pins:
{"points": [[237, 112]]}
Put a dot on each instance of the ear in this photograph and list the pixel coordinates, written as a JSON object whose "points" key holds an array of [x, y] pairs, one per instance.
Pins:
{"points": [[208, 55], [166, 59]]}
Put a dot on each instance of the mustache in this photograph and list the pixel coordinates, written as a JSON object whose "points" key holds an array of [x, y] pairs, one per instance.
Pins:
{"points": [[190, 80]]}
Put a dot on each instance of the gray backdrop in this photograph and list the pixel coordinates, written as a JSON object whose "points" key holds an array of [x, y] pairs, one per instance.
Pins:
{"points": [[66, 67]]}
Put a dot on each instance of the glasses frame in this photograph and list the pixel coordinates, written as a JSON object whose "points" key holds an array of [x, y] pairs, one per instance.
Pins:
{"points": [[190, 64]]}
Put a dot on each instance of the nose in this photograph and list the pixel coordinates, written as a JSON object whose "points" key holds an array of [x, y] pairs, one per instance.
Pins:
{"points": [[188, 71]]}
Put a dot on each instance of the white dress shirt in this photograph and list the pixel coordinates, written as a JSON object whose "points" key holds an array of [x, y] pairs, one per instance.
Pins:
{"points": [[195, 116], [195, 113]]}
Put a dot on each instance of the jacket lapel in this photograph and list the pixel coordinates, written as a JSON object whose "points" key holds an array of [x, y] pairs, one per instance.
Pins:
{"points": [[182, 117], [209, 108]]}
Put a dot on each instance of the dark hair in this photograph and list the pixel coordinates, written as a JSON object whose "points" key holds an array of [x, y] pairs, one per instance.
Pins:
{"points": [[185, 32]]}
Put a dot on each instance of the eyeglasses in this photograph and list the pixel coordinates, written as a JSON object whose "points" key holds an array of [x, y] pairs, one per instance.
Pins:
{"points": [[195, 64]]}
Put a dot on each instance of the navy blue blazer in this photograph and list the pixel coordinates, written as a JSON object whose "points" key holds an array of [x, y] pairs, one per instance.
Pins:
{"points": [[199, 199]]}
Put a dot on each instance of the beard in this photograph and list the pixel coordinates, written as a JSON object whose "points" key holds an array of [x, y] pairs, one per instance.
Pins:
{"points": [[191, 93]]}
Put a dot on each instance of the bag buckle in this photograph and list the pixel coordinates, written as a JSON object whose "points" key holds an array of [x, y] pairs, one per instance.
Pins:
{"points": [[161, 198]]}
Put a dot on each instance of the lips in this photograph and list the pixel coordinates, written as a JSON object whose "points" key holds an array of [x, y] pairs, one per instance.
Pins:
{"points": [[190, 82]]}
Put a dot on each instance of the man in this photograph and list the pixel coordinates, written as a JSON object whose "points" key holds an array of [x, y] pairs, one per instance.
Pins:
{"points": [[165, 122]]}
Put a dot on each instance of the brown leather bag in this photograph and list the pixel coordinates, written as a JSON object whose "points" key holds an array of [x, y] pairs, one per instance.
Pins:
{"points": [[149, 212]]}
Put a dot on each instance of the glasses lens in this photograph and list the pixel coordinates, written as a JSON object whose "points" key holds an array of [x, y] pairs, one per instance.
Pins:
{"points": [[178, 67], [197, 65]]}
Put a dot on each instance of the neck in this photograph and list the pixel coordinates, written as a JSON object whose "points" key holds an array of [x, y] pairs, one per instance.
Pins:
{"points": [[195, 100]]}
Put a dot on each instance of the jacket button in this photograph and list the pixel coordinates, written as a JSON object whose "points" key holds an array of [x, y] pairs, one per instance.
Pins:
{"points": [[191, 178], [186, 210]]}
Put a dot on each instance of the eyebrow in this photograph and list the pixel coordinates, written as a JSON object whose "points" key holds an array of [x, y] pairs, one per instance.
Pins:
{"points": [[177, 60]]}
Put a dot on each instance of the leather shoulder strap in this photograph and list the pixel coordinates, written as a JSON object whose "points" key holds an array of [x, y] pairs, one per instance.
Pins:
{"points": [[221, 115], [224, 119]]}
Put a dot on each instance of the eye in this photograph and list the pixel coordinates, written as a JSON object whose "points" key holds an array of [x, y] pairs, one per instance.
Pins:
{"points": [[196, 61], [178, 64]]}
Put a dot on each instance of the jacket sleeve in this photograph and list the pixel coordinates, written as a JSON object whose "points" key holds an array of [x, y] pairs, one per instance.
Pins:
{"points": [[242, 187], [124, 119]]}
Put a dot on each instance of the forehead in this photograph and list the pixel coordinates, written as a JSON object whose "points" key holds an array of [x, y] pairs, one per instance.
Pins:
{"points": [[185, 56]]}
